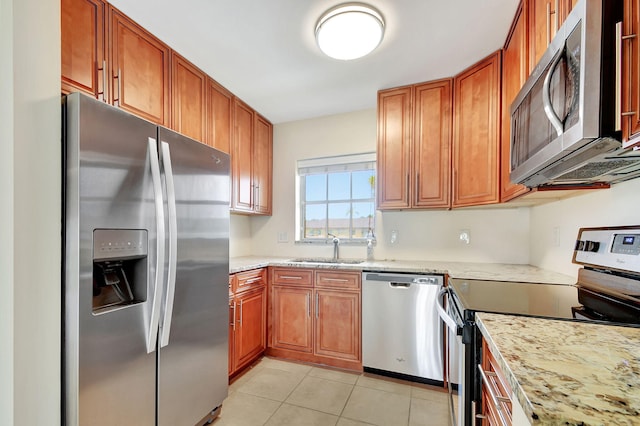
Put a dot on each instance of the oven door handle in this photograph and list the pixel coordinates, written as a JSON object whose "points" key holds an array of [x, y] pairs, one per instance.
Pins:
{"points": [[442, 313]]}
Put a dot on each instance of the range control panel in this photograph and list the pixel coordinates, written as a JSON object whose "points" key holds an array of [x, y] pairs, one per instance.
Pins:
{"points": [[616, 248]]}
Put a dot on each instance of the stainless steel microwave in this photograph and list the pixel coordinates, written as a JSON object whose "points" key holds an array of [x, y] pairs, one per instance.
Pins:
{"points": [[563, 122]]}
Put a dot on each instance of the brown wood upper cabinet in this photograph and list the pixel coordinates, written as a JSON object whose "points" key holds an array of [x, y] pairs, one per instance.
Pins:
{"points": [[84, 66], [139, 70], [219, 116], [630, 74], [189, 98], [515, 70], [251, 155], [108, 56], [414, 146], [476, 134], [545, 17]]}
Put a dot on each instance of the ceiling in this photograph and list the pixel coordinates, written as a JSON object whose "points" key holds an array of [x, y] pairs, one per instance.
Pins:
{"points": [[264, 51]]}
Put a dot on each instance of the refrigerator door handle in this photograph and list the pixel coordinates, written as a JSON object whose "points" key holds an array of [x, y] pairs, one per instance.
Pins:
{"points": [[167, 312], [154, 314]]}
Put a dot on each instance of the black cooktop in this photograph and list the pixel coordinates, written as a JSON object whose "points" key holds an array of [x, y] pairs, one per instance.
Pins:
{"points": [[503, 297]]}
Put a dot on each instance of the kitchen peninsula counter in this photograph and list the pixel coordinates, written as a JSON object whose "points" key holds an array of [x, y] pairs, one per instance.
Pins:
{"points": [[461, 270], [567, 372]]}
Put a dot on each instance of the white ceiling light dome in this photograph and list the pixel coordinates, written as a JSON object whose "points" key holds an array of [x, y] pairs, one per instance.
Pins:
{"points": [[349, 31]]}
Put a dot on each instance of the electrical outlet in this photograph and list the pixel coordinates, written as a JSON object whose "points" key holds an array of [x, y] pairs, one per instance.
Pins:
{"points": [[394, 236], [556, 236], [465, 236]]}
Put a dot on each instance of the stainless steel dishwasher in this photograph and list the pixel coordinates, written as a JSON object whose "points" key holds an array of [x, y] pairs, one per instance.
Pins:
{"points": [[401, 332]]}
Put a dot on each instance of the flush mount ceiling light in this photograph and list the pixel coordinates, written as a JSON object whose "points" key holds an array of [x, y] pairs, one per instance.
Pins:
{"points": [[349, 31]]}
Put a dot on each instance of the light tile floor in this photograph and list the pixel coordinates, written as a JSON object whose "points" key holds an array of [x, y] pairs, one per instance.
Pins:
{"points": [[280, 393]]}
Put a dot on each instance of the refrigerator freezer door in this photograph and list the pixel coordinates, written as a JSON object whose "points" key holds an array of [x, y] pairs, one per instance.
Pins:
{"points": [[192, 378], [109, 378]]}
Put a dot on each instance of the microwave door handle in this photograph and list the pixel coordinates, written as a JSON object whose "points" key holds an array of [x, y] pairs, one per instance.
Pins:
{"points": [[167, 312], [546, 97], [154, 314]]}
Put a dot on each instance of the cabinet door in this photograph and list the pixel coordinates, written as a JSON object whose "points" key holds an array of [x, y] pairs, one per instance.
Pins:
{"points": [[263, 160], [188, 94], [545, 17], [476, 134], [515, 70], [394, 148], [337, 329], [432, 145], [139, 70], [83, 47], [242, 158], [219, 117], [630, 74], [292, 319], [250, 338], [543, 24]]}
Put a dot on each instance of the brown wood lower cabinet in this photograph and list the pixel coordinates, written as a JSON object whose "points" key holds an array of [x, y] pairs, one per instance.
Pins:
{"points": [[315, 316], [247, 318], [292, 328], [337, 331], [496, 393]]}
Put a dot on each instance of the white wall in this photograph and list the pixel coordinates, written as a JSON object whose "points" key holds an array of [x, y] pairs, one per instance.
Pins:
{"points": [[30, 214], [240, 231], [496, 235], [619, 205], [6, 213]]}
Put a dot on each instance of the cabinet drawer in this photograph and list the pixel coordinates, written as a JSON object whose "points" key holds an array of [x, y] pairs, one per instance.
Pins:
{"points": [[293, 276], [341, 279], [249, 279]]}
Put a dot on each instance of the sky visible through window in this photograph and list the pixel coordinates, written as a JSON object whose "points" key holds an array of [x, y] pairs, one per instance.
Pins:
{"points": [[339, 203]]}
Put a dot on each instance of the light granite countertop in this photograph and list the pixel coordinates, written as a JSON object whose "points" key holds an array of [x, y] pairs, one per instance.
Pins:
{"points": [[567, 372], [462, 270]]}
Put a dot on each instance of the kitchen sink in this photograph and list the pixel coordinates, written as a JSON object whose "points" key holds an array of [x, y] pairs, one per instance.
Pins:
{"points": [[327, 260]]}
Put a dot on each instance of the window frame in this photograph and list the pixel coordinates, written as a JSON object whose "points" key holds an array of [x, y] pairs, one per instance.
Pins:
{"points": [[335, 164]]}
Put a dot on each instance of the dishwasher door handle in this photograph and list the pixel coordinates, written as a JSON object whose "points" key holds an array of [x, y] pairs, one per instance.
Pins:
{"points": [[400, 285]]}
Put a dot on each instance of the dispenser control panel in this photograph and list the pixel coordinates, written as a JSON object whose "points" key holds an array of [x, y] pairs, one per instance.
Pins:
{"points": [[119, 243]]}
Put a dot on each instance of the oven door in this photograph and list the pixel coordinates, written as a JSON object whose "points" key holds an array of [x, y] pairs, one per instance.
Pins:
{"points": [[450, 314]]}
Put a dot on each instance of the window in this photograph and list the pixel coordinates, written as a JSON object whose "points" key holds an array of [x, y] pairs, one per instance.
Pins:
{"points": [[336, 196]]}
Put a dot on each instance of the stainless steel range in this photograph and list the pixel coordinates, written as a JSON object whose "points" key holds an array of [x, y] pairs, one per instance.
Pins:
{"points": [[607, 291]]}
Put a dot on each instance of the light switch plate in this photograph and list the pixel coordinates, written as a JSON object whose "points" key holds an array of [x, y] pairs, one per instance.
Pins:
{"points": [[283, 237]]}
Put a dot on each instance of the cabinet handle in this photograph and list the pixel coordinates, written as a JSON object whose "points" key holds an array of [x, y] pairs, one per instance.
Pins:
{"points": [[548, 23], [240, 322], [309, 305], [337, 280], [289, 277], [619, 39], [104, 92], [233, 307], [253, 280], [555, 15], [119, 77], [495, 399], [317, 306], [256, 196]]}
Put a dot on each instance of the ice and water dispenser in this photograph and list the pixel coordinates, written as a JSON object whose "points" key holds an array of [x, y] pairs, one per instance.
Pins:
{"points": [[119, 268]]}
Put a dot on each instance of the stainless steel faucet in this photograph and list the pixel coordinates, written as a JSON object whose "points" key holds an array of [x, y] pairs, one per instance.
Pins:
{"points": [[336, 244]]}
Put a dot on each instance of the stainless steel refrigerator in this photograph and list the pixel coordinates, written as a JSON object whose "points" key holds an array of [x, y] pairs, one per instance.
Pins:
{"points": [[146, 271]]}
